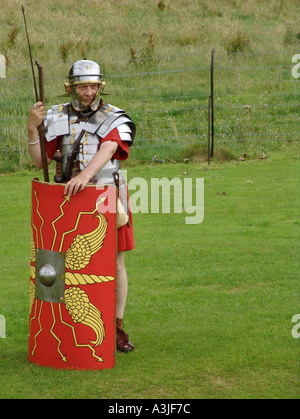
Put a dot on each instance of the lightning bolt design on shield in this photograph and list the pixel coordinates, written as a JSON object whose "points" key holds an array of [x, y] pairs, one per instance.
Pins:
{"points": [[67, 199], [75, 338], [40, 330], [63, 357]]}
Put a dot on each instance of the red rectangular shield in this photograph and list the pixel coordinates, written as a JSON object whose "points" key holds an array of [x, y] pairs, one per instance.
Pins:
{"points": [[72, 277]]}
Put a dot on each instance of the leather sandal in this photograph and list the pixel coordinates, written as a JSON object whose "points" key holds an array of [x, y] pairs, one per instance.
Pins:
{"points": [[123, 343]]}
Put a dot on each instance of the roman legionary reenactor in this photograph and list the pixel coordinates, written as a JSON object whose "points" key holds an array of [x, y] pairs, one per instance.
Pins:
{"points": [[88, 139]]}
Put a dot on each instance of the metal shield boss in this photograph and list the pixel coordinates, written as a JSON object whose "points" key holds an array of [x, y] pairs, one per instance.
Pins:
{"points": [[72, 277]]}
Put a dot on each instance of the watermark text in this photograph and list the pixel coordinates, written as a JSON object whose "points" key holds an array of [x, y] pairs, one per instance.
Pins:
{"points": [[296, 328], [296, 68], [2, 326], [165, 196]]}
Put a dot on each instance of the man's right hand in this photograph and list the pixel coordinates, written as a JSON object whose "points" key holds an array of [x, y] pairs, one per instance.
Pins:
{"points": [[36, 116]]}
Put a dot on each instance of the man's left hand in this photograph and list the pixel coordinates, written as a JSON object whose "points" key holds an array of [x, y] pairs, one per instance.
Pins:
{"points": [[76, 184]]}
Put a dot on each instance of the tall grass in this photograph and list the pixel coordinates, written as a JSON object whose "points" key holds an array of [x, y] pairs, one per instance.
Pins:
{"points": [[109, 30]]}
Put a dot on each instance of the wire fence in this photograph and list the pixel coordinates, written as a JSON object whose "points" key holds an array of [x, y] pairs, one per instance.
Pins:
{"points": [[257, 102], [254, 101]]}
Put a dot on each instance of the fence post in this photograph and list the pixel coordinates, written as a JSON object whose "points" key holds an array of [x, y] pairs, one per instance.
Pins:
{"points": [[212, 101], [209, 126]]}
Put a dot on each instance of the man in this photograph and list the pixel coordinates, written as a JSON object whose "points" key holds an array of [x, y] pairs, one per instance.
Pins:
{"points": [[90, 138]]}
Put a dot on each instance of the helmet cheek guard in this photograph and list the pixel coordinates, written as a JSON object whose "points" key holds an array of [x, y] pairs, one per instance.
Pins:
{"points": [[76, 98], [84, 72]]}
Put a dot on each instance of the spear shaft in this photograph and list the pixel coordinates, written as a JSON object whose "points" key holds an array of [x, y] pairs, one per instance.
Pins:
{"points": [[29, 48], [41, 94], [41, 127]]}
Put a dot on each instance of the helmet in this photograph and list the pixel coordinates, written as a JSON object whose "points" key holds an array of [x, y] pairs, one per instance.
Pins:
{"points": [[84, 71]]}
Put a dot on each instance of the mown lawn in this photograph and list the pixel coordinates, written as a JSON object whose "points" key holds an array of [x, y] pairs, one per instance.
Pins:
{"points": [[210, 306]]}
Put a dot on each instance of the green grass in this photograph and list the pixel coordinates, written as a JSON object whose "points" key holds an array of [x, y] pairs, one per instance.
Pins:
{"points": [[209, 306]]}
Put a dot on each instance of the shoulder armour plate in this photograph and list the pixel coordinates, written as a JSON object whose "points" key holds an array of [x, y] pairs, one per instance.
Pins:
{"points": [[57, 121], [106, 119]]}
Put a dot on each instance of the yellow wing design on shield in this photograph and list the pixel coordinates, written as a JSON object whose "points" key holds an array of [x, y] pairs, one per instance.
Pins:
{"points": [[82, 311], [84, 246]]}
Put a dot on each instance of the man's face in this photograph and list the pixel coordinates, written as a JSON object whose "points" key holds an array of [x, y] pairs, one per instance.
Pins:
{"points": [[87, 93]]}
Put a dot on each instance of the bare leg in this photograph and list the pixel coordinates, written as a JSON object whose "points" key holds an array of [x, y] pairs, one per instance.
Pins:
{"points": [[123, 343], [121, 286]]}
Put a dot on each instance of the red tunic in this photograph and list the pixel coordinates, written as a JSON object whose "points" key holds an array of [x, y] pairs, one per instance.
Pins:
{"points": [[125, 233]]}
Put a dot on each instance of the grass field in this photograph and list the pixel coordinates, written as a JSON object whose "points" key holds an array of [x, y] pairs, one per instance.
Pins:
{"points": [[210, 306], [156, 56]]}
